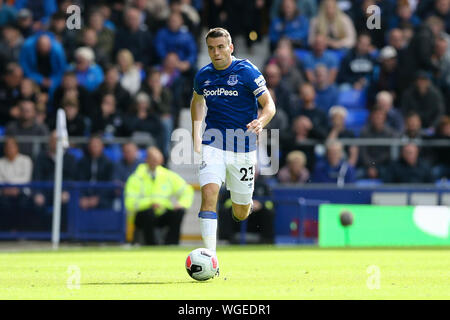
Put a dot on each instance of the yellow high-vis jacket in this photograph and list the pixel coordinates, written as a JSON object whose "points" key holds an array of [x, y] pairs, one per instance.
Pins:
{"points": [[142, 191]]}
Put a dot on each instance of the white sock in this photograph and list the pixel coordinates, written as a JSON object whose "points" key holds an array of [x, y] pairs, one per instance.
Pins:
{"points": [[208, 227]]}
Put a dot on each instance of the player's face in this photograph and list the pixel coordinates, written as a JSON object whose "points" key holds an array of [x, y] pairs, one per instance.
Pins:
{"points": [[220, 51]]}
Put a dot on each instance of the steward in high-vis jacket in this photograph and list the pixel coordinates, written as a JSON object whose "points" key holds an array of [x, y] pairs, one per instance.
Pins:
{"points": [[148, 201]]}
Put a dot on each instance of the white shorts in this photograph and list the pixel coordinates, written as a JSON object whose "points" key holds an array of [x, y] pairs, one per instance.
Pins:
{"points": [[236, 169]]}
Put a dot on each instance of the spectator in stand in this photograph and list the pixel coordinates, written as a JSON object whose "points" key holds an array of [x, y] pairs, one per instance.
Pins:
{"points": [[418, 55], [280, 120], [10, 93], [442, 79], [404, 16], [128, 164], [334, 168], [89, 74], [65, 36], [425, 99], [314, 113], [26, 125], [143, 122], [441, 9], [25, 23], [272, 74], [284, 56], [42, 11], [95, 167], [171, 78], [7, 13], [320, 55], [131, 37], [338, 116], [413, 127], [108, 122], [291, 24], [105, 36], [190, 15], [130, 73], [409, 168], [44, 170], [77, 124], [15, 168], [441, 155], [10, 45], [296, 140], [29, 90], [175, 38], [327, 93], [161, 100], [335, 24], [394, 118], [43, 60], [70, 86], [385, 75], [374, 159], [295, 170], [396, 39], [357, 65], [361, 13], [111, 84], [306, 7], [158, 11], [89, 39]]}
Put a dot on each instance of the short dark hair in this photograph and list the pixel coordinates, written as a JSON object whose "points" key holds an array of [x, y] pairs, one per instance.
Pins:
{"points": [[217, 33]]}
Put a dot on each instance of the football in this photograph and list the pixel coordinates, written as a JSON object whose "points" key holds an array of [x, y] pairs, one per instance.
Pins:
{"points": [[202, 264]]}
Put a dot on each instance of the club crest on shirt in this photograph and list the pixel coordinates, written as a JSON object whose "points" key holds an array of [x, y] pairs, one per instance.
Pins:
{"points": [[232, 80]]}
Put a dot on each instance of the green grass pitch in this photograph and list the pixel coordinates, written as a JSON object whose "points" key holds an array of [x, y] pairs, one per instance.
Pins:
{"points": [[247, 272]]}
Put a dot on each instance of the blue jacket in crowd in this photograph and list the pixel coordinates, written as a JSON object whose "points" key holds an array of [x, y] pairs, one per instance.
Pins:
{"points": [[325, 173], [181, 42], [296, 30], [91, 78], [28, 60]]}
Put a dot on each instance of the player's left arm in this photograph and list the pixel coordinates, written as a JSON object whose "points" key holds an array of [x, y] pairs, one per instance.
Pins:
{"points": [[267, 113]]}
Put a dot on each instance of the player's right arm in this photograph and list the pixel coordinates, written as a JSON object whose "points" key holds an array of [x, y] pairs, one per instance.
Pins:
{"points": [[197, 112]]}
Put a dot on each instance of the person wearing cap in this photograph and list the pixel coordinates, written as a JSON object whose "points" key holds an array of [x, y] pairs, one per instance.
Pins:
{"points": [[41, 9], [25, 22], [385, 75], [425, 99]]}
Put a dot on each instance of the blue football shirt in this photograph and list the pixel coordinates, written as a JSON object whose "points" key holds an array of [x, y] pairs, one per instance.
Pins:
{"points": [[231, 98]]}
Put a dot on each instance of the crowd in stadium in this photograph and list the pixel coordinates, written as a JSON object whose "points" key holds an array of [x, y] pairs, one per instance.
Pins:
{"points": [[129, 71]]}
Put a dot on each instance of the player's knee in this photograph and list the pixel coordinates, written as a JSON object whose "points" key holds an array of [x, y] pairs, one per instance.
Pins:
{"points": [[210, 194], [241, 212]]}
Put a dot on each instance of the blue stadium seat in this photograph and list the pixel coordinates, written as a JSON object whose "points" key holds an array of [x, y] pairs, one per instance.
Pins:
{"points": [[113, 152], [356, 119], [352, 99], [77, 153], [368, 182]]}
